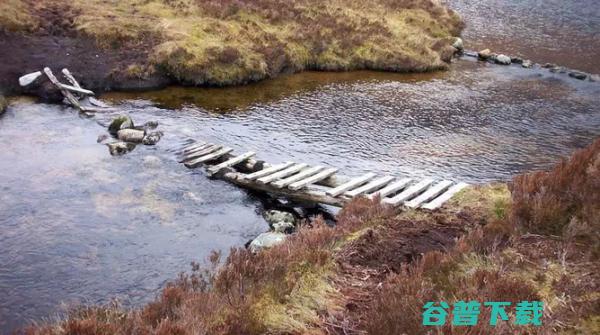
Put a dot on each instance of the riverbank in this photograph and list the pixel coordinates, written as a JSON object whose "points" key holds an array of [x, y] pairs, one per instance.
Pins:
{"points": [[147, 44], [373, 272]]}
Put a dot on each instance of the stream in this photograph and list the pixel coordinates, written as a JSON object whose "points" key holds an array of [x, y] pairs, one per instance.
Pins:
{"points": [[80, 226]]}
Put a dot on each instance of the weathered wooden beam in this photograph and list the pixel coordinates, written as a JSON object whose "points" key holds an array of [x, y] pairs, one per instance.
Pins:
{"points": [[299, 176], [75, 89], [267, 171], [439, 201], [313, 179], [282, 174], [371, 186], [68, 95], [305, 195], [202, 152], [351, 184], [408, 193], [230, 162], [201, 148], [194, 163], [391, 188], [432, 192], [29, 78], [194, 146]]}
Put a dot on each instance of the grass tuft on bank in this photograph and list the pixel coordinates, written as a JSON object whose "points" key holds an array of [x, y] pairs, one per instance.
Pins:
{"points": [[226, 42]]}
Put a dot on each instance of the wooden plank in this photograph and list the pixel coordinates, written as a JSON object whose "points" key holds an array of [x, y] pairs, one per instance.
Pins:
{"points": [[408, 193], [200, 148], [391, 188], [282, 174], [371, 186], [76, 89], [194, 163], [267, 171], [68, 95], [432, 192], [193, 146], [439, 201], [358, 181], [210, 149], [70, 78], [297, 177], [312, 179], [29, 78], [230, 162]]}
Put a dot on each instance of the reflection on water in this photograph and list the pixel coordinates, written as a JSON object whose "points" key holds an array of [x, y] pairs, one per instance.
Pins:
{"points": [[557, 31], [78, 225]]}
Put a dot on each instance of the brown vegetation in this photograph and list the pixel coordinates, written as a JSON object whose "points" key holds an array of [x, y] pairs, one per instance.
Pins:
{"points": [[228, 42]]}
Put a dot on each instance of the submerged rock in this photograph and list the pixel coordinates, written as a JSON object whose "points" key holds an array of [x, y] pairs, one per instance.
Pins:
{"points": [[152, 138], [118, 123], [502, 60], [102, 138], [151, 161], [267, 240], [578, 75], [120, 148], [131, 135]]}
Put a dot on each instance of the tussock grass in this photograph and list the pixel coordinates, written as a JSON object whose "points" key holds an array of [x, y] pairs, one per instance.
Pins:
{"points": [[228, 42]]}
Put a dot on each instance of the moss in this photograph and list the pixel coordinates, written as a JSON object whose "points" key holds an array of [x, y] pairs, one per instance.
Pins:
{"points": [[490, 201]]}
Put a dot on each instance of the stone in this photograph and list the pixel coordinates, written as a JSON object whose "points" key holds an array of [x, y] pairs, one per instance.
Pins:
{"points": [[150, 125], [151, 161], [527, 64], [120, 148], [152, 138], [283, 227], [502, 60], [118, 123], [274, 216], [516, 60], [458, 44], [131, 135], [548, 65], [485, 54], [102, 138], [578, 75], [267, 240], [594, 77]]}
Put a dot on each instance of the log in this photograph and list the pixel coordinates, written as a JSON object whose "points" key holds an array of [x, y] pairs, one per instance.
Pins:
{"points": [[351, 184], [68, 95], [70, 78], [267, 171], [439, 201], [409, 192], [303, 174], [230, 162], [194, 163], [202, 152], [75, 89], [372, 186], [305, 195], [193, 146], [313, 179], [282, 174], [391, 188], [429, 194]]}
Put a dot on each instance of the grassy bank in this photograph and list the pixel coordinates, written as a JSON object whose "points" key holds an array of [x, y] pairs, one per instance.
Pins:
{"points": [[374, 271], [236, 41]]}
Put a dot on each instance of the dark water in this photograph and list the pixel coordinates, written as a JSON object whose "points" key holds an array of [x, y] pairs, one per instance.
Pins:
{"points": [[80, 226], [565, 32]]}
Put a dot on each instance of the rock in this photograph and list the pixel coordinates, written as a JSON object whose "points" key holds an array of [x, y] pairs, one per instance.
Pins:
{"points": [[102, 138], [151, 161], [502, 60], [516, 60], [152, 138], [485, 54], [594, 77], [458, 44], [120, 148], [283, 227], [266, 240], [578, 75], [471, 54], [548, 65], [150, 125], [527, 64], [118, 123], [131, 135], [274, 216]]}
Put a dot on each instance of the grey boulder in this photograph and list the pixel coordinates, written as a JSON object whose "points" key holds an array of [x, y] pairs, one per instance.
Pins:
{"points": [[503, 59], [267, 240], [120, 148]]}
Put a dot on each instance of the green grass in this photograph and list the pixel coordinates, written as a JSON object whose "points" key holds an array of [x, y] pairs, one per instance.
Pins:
{"points": [[237, 41]]}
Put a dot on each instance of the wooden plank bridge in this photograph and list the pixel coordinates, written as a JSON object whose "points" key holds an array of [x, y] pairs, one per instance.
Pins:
{"points": [[318, 184], [296, 181]]}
